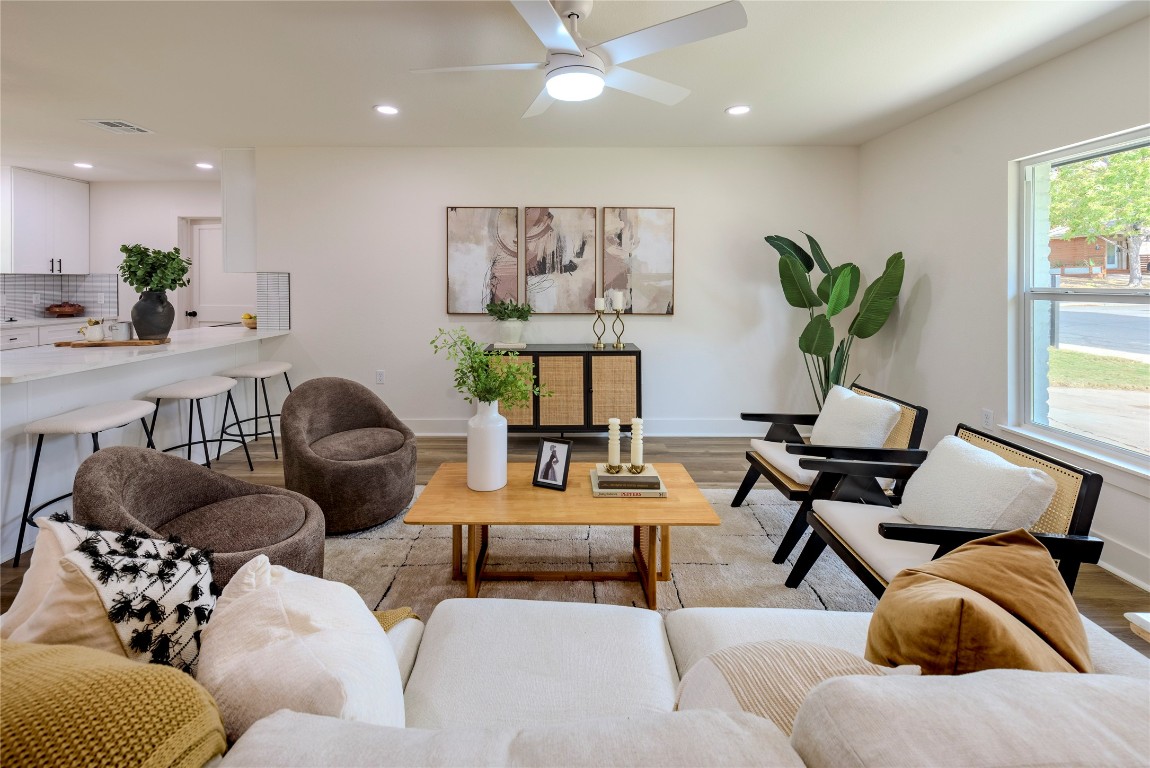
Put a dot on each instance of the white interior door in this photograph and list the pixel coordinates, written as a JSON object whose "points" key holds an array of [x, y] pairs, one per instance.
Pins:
{"points": [[215, 297]]}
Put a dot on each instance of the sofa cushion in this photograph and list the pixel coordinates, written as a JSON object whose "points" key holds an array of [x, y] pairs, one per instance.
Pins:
{"points": [[848, 418], [770, 678], [687, 739], [963, 485], [282, 639], [67, 705], [358, 444], [788, 463], [857, 525], [696, 632], [989, 719], [241, 523], [996, 602], [495, 662]]}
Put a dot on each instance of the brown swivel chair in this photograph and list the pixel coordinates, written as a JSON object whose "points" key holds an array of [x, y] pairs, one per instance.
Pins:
{"points": [[160, 494], [346, 450]]}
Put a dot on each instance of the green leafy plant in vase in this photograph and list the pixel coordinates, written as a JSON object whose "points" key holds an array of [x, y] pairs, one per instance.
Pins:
{"points": [[826, 362], [486, 379], [151, 273], [511, 316]]}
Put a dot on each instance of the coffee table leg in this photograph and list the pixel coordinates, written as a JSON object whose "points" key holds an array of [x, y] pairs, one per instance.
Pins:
{"points": [[665, 556], [473, 560], [457, 552], [652, 574]]}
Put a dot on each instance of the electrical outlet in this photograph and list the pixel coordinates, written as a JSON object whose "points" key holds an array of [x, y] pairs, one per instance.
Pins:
{"points": [[379, 377], [987, 418], [99, 298], [35, 299]]}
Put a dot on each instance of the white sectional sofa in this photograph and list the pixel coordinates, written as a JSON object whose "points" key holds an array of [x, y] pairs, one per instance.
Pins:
{"points": [[507, 682]]}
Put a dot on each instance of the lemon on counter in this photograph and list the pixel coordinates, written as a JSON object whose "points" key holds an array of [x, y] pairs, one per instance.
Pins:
{"points": [[246, 316]]}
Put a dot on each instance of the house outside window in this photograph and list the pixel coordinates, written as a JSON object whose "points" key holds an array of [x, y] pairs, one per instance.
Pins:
{"points": [[1085, 361]]}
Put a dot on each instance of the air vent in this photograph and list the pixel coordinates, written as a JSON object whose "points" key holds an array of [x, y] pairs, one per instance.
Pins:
{"points": [[117, 126]]}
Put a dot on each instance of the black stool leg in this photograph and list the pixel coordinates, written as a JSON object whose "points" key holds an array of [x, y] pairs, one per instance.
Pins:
{"points": [[255, 409], [147, 432], [203, 434], [191, 414], [24, 521], [288, 381], [152, 431], [95, 441], [243, 441], [268, 412]]}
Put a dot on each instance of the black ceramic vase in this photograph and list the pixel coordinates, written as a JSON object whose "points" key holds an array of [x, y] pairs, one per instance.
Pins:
{"points": [[153, 316]]}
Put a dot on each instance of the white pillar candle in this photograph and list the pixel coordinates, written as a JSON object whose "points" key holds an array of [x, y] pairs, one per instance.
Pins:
{"points": [[600, 304], [613, 442], [636, 442], [618, 302]]}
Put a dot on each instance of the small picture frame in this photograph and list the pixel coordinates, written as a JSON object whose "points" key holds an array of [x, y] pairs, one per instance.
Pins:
{"points": [[552, 464]]}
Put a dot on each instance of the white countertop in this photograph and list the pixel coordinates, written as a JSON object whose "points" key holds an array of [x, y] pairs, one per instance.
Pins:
{"points": [[31, 363], [33, 322]]}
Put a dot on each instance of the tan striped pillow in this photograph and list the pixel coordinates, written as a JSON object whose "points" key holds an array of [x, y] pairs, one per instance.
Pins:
{"points": [[770, 678]]}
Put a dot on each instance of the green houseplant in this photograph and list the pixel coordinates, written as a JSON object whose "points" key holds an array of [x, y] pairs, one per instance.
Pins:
{"points": [[510, 316], [151, 273], [826, 362], [486, 379]]}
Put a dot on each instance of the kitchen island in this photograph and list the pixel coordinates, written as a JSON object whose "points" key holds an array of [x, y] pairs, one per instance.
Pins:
{"points": [[36, 382]]}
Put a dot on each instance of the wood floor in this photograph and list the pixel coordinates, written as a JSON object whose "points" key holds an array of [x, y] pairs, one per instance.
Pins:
{"points": [[712, 462]]}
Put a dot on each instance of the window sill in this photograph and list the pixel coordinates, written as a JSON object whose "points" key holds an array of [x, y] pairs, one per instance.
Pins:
{"points": [[1123, 473]]}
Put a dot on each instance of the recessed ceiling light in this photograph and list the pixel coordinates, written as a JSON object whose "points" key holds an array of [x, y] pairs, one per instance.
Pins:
{"points": [[205, 166], [738, 109], [386, 109], [82, 165]]}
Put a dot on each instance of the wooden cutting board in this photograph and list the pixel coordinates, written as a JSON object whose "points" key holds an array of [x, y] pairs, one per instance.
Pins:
{"points": [[133, 343]]}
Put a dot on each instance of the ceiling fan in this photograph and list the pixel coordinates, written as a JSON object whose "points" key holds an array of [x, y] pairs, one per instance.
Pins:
{"points": [[577, 71]]}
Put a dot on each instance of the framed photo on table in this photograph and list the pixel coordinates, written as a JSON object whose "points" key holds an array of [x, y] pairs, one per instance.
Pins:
{"points": [[552, 464]]}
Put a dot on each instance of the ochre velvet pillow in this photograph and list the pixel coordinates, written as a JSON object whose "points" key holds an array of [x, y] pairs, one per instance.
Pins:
{"points": [[994, 603]]}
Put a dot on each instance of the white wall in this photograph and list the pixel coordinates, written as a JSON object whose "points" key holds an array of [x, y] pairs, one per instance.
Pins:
{"points": [[941, 190], [143, 212], [362, 232]]}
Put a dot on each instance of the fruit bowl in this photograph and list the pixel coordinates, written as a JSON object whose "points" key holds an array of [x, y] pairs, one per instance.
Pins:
{"points": [[65, 309], [249, 322]]}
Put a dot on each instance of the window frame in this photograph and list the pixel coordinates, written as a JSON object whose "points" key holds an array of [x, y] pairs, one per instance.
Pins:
{"points": [[1022, 364]]}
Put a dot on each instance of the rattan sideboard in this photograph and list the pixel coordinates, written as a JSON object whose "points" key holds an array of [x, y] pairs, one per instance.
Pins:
{"points": [[587, 386]]}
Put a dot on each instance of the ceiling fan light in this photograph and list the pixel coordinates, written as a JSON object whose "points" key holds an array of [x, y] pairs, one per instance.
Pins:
{"points": [[574, 83]]}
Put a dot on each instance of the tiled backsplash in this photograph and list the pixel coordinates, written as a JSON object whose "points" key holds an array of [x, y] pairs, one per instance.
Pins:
{"points": [[273, 300], [19, 290]]}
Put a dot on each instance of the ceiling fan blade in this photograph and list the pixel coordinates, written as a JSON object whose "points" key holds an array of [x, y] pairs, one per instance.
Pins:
{"points": [[540, 105], [709, 22], [547, 25], [644, 85], [483, 68]]}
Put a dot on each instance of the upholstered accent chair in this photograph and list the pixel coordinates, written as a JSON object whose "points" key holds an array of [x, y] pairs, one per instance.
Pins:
{"points": [[776, 457], [346, 450], [969, 486], [160, 494]]}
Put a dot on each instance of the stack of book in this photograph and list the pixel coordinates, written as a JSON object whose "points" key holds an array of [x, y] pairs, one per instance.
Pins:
{"points": [[646, 484]]}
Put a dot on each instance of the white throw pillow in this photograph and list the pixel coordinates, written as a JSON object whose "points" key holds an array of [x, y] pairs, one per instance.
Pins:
{"points": [[963, 485], [854, 420], [284, 640]]}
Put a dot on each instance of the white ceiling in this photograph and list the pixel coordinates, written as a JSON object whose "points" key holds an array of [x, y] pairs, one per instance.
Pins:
{"points": [[211, 75]]}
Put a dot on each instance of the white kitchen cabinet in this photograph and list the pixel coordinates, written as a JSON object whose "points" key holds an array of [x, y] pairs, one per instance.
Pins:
{"points": [[18, 337], [50, 334], [46, 224]]}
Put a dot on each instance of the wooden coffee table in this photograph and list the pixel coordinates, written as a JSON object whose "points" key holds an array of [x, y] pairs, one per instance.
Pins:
{"points": [[447, 501]]}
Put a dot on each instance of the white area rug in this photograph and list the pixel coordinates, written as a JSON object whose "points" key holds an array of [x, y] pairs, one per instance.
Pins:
{"points": [[395, 564]]}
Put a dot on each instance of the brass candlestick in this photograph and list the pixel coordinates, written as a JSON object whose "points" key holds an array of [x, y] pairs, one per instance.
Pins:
{"points": [[636, 469], [613, 469], [599, 327], [618, 321]]}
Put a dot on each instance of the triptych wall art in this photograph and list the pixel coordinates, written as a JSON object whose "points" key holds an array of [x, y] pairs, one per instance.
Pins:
{"points": [[561, 274]]}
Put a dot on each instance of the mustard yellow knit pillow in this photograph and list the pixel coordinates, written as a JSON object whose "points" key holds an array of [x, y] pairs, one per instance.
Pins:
{"points": [[67, 705]]}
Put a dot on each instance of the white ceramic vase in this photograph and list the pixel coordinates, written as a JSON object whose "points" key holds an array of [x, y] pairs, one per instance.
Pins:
{"points": [[487, 448], [510, 331]]}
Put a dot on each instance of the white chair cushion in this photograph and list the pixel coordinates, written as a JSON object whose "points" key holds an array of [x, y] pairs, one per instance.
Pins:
{"points": [[963, 485], [787, 463], [495, 662], [857, 525], [668, 740], [91, 418], [260, 370], [404, 638], [280, 639], [192, 389], [854, 420]]}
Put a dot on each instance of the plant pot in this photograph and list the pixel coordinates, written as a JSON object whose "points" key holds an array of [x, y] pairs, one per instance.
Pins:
{"points": [[153, 315], [487, 448], [510, 331]]}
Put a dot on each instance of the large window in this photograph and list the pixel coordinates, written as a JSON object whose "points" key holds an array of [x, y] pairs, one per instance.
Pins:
{"points": [[1086, 296]]}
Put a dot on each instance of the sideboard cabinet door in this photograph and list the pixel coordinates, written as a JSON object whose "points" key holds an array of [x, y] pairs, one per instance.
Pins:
{"points": [[614, 388]]}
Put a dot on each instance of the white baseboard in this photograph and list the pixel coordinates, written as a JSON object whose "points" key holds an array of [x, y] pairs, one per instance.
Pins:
{"points": [[1124, 562]]}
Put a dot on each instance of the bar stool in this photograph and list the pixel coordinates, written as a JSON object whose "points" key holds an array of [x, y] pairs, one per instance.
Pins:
{"points": [[194, 391], [259, 373], [91, 419]]}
